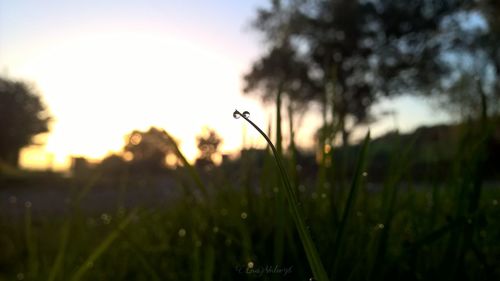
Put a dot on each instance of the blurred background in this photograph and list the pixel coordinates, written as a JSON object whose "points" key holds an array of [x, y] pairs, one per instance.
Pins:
{"points": [[120, 113]]}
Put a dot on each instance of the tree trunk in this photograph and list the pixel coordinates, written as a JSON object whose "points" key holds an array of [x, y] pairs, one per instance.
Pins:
{"points": [[344, 132]]}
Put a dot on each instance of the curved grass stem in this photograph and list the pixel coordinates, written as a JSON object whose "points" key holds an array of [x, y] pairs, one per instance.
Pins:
{"points": [[294, 205]]}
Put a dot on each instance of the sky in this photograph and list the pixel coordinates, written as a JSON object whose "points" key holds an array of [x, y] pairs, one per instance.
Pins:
{"points": [[105, 68]]}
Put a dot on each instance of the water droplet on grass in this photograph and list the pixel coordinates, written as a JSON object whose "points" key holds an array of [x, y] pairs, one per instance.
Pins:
{"points": [[244, 216], [250, 264], [365, 174], [236, 114], [106, 219], [246, 114], [27, 204], [182, 232]]}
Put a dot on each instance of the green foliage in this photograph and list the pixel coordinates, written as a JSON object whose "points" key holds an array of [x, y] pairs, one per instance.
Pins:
{"points": [[295, 208]]}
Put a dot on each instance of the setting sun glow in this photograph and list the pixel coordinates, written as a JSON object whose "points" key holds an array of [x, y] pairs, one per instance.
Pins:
{"points": [[107, 68], [102, 85]]}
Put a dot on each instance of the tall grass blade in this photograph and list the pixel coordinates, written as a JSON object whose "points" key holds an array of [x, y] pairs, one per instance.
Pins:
{"points": [[194, 175], [58, 263], [279, 234], [148, 267], [105, 244], [312, 255], [399, 164], [350, 202], [30, 242]]}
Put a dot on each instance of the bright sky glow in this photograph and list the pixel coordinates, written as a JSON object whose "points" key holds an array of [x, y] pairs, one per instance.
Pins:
{"points": [[105, 69]]}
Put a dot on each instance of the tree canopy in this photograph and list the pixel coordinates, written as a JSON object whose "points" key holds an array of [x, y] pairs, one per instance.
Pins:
{"points": [[23, 116], [346, 55], [208, 145], [149, 149]]}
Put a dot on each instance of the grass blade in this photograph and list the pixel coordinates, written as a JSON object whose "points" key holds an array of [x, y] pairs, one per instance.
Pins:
{"points": [[310, 249], [58, 263], [350, 202], [102, 248]]}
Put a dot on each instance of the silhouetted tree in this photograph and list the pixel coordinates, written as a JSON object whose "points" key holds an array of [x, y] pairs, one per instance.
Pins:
{"points": [[281, 70], [355, 52], [22, 116], [149, 149], [445, 49], [208, 145], [327, 44]]}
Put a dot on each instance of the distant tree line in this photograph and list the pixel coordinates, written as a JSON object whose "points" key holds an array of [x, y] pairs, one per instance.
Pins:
{"points": [[152, 152]]}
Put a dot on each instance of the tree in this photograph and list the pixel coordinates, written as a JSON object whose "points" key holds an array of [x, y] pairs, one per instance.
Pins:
{"points": [[23, 116], [323, 57], [446, 50], [149, 149], [208, 144], [357, 52]]}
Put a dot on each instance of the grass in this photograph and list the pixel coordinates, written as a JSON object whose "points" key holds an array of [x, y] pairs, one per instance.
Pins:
{"points": [[224, 226], [295, 208]]}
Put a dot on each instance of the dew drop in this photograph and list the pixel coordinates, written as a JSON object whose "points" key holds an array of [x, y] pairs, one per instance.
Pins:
{"points": [[495, 202], [250, 264], [244, 215], [20, 276], [215, 229], [27, 204], [365, 174], [236, 114], [246, 114], [106, 219], [182, 232]]}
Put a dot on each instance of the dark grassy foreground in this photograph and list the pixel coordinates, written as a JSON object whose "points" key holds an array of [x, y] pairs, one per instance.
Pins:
{"points": [[232, 223]]}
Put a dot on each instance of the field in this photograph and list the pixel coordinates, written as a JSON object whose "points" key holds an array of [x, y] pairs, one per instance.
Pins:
{"points": [[238, 221]]}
